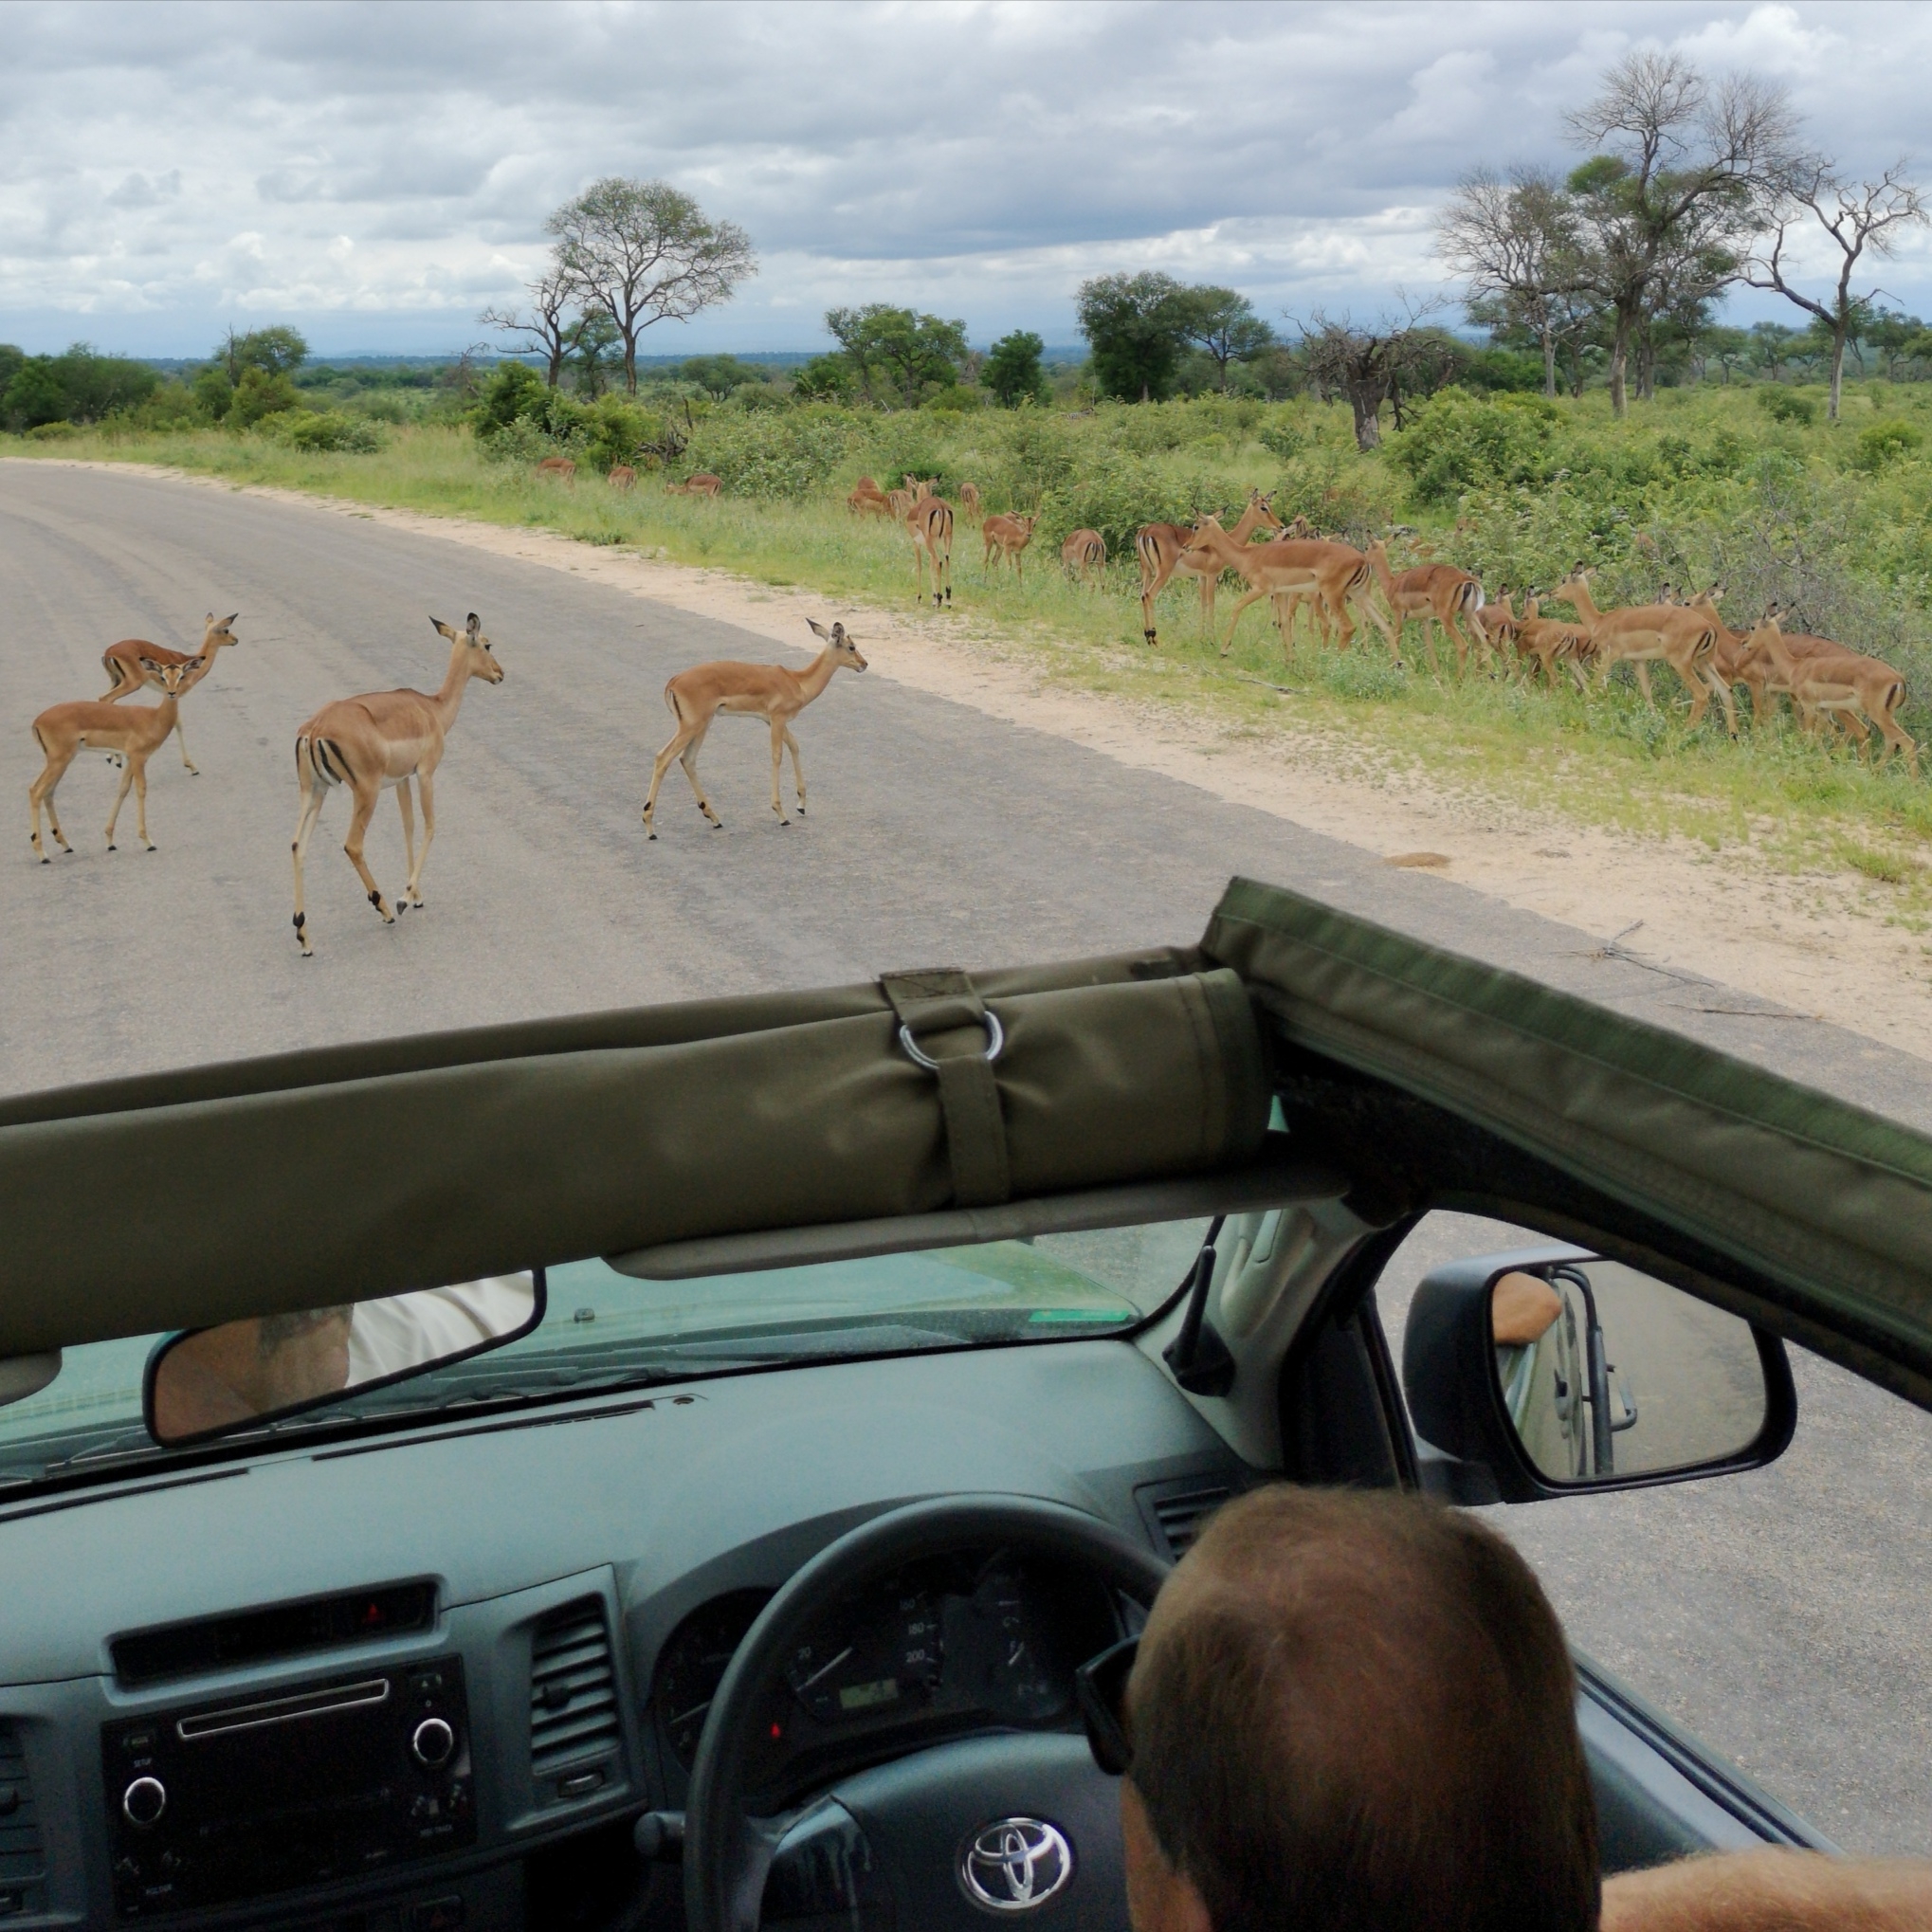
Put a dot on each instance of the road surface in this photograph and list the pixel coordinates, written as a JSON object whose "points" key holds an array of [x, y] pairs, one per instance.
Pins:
{"points": [[1773, 1613]]}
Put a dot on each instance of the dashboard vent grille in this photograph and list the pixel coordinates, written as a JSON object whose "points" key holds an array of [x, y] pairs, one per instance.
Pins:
{"points": [[1178, 1510], [22, 1861], [572, 1688]]}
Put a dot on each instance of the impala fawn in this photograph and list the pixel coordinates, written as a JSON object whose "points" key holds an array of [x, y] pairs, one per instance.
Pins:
{"points": [[135, 731]]}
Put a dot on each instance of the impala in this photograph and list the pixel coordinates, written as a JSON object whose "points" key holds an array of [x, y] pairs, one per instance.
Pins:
{"points": [[968, 498], [1679, 635], [1084, 555], [620, 476], [381, 738], [929, 523], [563, 468], [63, 731], [702, 484], [1837, 684], [1171, 550], [134, 662], [868, 497], [1550, 643], [1440, 594], [1007, 537], [1338, 572], [772, 692], [1500, 624]]}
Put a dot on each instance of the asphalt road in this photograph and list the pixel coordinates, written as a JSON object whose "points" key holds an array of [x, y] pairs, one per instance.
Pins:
{"points": [[1781, 1614]]}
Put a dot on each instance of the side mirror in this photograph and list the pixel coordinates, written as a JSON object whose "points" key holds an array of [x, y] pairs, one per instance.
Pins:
{"points": [[209, 1383], [1552, 1371]]}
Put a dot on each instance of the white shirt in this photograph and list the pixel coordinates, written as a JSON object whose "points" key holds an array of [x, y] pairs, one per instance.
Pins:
{"points": [[431, 1324]]}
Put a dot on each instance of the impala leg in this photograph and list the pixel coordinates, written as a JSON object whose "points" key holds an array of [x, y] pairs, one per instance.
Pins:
{"points": [[1240, 605], [777, 769], [140, 776], [687, 756], [409, 812], [42, 793], [1721, 692], [797, 769], [313, 793], [426, 792], [127, 778], [181, 739], [661, 764], [1150, 589], [358, 828]]}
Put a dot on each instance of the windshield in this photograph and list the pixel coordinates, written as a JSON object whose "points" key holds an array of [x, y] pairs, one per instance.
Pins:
{"points": [[602, 1329]]}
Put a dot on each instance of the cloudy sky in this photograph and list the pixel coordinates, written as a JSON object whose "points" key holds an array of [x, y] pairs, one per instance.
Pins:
{"points": [[377, 174]]}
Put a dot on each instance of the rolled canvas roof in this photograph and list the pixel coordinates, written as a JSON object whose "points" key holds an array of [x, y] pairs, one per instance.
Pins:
{"points": [[344, 1173]]}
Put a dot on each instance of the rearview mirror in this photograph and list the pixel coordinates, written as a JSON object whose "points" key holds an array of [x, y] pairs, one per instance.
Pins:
{"points": [[1557, 1370], [211, 1383]]}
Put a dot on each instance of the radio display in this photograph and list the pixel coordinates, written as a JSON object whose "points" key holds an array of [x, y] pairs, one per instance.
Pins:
{"points": [[868, 1696]]}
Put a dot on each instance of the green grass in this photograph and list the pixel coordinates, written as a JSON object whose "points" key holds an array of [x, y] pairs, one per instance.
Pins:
{"points": [[1605, 760]]}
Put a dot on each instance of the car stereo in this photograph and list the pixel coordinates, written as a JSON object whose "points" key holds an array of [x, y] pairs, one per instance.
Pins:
{"points": [[336, 1779]]}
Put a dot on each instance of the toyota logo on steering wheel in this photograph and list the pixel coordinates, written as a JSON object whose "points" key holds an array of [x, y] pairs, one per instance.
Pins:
{"points": [[1015, 1864]]}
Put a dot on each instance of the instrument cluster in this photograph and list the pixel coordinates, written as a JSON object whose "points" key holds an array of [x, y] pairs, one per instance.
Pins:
{"points": [[969, 1641]]}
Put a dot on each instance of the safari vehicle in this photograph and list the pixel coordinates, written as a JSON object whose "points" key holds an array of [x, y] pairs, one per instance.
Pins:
{"points": [[669, 1466]]}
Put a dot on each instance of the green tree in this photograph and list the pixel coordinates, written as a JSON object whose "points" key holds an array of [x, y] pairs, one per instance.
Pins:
{"points": [[261, 393], [914, 353], [719, 376], [592, 342], [1012, 370], [509, 391], [1729, 348], [1223, 325], [1771, 347], [1888, 332], [278, 351], [825, 379], [35, 395], [644, 252], [1137, 326]]}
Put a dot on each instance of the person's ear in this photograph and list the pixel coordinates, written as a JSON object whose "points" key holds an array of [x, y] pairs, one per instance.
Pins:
{"points": [[1160, 1897]]}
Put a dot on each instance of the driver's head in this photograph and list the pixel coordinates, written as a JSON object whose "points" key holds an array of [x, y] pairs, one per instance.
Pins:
{"points": [[1356, 1710]]}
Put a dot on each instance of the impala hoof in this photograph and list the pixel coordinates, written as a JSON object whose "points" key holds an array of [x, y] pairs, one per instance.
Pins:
{"points": [[112, 847]]}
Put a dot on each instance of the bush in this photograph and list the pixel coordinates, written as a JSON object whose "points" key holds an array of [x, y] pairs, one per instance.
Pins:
{"points": [[786, 453], [1885, 442], [258, 394], [1456, 442], [1116, 496], [1786, 406], [510, 392], [324, 430]]}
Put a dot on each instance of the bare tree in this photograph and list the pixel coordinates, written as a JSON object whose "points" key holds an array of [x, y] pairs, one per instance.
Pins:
{"points": [[642, 252], [1857, 216], [1683, 167], [548, 327], [1516, 240], [1372, 366]]}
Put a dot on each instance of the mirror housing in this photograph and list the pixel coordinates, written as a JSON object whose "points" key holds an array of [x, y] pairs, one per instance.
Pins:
{"points": [[1469, 1450], [204, 1383]]}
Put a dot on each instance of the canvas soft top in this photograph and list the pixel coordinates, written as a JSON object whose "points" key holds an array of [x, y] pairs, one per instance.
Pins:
{"points": [[343, 1173]]}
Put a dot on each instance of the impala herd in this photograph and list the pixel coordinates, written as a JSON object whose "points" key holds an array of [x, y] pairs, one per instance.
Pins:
{"points": [[393, 738]]}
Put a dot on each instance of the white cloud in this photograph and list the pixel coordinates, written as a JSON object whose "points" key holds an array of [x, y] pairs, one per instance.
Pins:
{"points": [[380, 172]]}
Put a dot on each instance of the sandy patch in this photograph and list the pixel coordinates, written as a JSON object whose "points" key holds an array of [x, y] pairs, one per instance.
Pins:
{"points": [[1817, 943]]}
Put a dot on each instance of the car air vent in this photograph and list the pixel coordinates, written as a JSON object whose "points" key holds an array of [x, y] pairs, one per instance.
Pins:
{"points": [[283, 1630], [1175, 1511], [23, 1860], [573, 1697]]}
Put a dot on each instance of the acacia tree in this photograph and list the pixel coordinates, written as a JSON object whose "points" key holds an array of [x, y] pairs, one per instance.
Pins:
{"points": [[1517, 241], [1857, 216], [548, 328], [1683, 170], [1223, 324], [644, 252], [1137, 326]]}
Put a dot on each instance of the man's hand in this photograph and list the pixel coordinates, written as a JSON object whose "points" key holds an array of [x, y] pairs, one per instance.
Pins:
{"points": [[1772, 1891]]}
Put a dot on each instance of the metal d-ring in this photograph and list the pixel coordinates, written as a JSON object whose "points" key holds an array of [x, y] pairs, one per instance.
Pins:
{"points": [[995, 1043]]}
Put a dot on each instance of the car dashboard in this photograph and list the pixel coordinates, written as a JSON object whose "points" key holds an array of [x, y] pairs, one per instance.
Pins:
{"points": [[411, 1681]]}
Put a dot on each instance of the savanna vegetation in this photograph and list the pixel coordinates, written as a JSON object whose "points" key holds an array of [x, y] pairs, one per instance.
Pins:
{"points": [[1609, 419]]}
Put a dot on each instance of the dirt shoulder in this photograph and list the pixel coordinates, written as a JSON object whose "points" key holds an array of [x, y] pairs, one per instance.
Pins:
{"points": [[1821, 943]]}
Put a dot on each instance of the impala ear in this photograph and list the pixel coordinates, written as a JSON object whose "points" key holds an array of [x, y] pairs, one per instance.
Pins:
{"points": [[442, 628], [818, 629], [229, 623]]}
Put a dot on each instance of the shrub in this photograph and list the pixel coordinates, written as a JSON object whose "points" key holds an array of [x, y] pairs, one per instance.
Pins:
{"points": [[1456, 442], [769, 454], [1116, 496], [1884, 442], [1785, 406], [324, 430], [258, 394], [511, 391]]}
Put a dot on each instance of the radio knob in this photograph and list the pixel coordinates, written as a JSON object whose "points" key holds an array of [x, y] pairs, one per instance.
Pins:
{"points": [[432, 1740], [143, 1802]]}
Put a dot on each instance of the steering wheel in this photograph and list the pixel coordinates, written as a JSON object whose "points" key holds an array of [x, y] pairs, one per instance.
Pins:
{"points": [[911, 1829]]}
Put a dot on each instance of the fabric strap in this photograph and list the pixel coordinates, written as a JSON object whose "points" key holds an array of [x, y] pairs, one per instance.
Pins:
{"points": [[947, 1020]]}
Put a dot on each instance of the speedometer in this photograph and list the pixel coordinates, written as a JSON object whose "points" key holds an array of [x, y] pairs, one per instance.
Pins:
{"points": [[692, 1665], [884, 1654]]}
